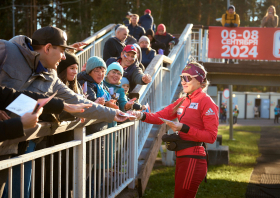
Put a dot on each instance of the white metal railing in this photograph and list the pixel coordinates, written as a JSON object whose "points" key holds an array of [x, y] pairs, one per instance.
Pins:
{"points": [[110, 156]]}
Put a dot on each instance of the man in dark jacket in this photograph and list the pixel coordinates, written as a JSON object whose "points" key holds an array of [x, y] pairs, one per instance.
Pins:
{"points": [[132, 71], [155, 44], [146, 21], [134, 29], [114, 46]]}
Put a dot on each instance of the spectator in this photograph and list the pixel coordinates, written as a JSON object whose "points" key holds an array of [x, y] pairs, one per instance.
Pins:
{"points": [[132, 71], [156, 45], [125, 85], [34, 70], [230, 19], [146, 21], [129, 39], [235, 114], [126, 20], [134, 29], [12, 128], [139, 57], [276, 114], [114, 46], [271, 18], [147, 52], [166, 38]]}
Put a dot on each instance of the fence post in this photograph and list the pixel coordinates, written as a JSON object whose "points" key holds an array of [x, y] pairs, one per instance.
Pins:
{"points": [[79, 187], [200, 44], [133, 166]]}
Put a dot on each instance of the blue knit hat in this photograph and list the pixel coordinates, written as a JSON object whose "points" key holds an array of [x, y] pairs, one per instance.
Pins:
{"points": [[116, 66], [124, 81], [94, 62], [232, 7]]}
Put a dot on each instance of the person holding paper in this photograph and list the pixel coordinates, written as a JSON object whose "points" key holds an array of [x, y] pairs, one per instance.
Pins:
{"points": [[198, 124]]}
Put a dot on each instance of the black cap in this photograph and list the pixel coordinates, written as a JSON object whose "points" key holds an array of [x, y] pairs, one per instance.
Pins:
{"points": [[129, 13], [52, 35], [70, 60]]}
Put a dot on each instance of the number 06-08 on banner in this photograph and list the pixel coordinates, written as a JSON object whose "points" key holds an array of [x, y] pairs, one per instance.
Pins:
{"points": [[244, 43]]}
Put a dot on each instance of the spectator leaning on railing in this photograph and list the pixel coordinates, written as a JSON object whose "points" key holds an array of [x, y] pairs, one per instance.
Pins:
{"points": [[271, 18], [131, 69]]}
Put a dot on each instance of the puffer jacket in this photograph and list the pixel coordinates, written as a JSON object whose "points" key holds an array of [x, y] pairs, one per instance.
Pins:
{"points": [[166, 38], [230, 18]]}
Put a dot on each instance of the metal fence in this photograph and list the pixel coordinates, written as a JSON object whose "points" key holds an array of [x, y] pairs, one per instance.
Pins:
{"points": [[109, 158]]}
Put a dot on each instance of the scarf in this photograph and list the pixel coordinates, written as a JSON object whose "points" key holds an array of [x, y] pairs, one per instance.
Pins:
{"points": [[102, 92]]}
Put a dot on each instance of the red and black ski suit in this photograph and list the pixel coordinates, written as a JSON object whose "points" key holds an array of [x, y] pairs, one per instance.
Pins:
{"points": [[199, 114]]}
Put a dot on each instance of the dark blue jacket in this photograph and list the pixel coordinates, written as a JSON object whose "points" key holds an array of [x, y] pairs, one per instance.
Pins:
{"points": [[133, 73], [166, 39], [136, 31], [147, 58], [112, 48], [146, 21]]}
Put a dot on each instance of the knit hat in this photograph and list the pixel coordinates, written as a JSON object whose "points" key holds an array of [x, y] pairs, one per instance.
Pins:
{"points": [[161, 27], [231, 7], [144, 38], [70, 60], [124, 81], [94, 62], [148, 11], [116, 66]]}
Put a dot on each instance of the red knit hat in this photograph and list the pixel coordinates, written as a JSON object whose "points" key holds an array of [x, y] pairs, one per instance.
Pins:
{"points": [[161, 27]]}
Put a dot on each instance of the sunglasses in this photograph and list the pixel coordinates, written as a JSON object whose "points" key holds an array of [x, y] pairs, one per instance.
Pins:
{"points": [[187, 78]]}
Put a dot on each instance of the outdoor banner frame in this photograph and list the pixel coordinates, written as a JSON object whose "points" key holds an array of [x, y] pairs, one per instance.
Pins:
{"points": [[251, 43]]}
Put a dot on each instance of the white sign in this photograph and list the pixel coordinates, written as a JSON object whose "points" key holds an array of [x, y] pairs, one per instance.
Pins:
{"points": [[226, 93]]}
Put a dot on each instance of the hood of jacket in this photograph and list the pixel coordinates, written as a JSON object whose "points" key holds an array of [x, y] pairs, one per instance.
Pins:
{"points": [[31, 57], [139, 48], [83, 76]]}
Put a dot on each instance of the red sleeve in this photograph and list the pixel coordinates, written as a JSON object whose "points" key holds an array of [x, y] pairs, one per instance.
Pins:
{"points": [[166, 113], [210, 119]]}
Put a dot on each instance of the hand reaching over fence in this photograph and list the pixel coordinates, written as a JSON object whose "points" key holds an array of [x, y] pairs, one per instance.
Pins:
{"points": [[118, 117], [146, 78], [76, 108]]}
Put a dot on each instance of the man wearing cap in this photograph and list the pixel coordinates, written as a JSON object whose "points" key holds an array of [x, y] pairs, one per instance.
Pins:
{"points": [[146, 21], [27, 64], [114, 45], [132, 71], [134, 29], [230, 19]]}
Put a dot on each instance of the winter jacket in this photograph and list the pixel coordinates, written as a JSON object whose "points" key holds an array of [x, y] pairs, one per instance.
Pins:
{"points": [[147, 58], [126, 22], [136, 31], [13, 128], [269, 22], [166, 38], [20, 74], [146, 21], [133, 73], [199, 115], [112, 48], [230, 19], [235, 112], [91, 87], [155, 44]]}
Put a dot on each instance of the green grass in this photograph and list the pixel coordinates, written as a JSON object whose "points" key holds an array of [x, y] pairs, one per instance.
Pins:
{"points": [[224, 181]]}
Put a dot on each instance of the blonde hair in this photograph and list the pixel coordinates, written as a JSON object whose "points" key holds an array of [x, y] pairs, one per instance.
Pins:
{"points": [[204, 85], [274, 10]]}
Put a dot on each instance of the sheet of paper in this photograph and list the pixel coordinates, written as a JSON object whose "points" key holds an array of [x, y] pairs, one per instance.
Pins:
{"points": [[166, 121], [21, 105], [128, 115]]}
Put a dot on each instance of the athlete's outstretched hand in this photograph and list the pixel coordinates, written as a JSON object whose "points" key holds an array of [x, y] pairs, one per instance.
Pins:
{"points": [[175, 126]]}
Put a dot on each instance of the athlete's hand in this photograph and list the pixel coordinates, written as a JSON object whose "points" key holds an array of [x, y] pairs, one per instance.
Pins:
{"points": [[175, 126]]}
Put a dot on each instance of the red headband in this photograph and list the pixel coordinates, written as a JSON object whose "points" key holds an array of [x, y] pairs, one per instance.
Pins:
{"points": [[193, 71]]}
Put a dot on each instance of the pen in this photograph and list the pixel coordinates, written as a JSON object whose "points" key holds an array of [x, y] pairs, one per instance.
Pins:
{"points": [[36, 108]]}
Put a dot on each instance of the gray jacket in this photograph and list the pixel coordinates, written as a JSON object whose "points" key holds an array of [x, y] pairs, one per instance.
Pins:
{"points": [[17, 70]]}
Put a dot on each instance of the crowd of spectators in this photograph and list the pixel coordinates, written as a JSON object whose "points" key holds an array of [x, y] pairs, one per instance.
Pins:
{"points": [[44, 64]]}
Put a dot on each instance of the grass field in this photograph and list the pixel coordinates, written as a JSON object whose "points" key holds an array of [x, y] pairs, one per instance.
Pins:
{"points": [[224, 181]]}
